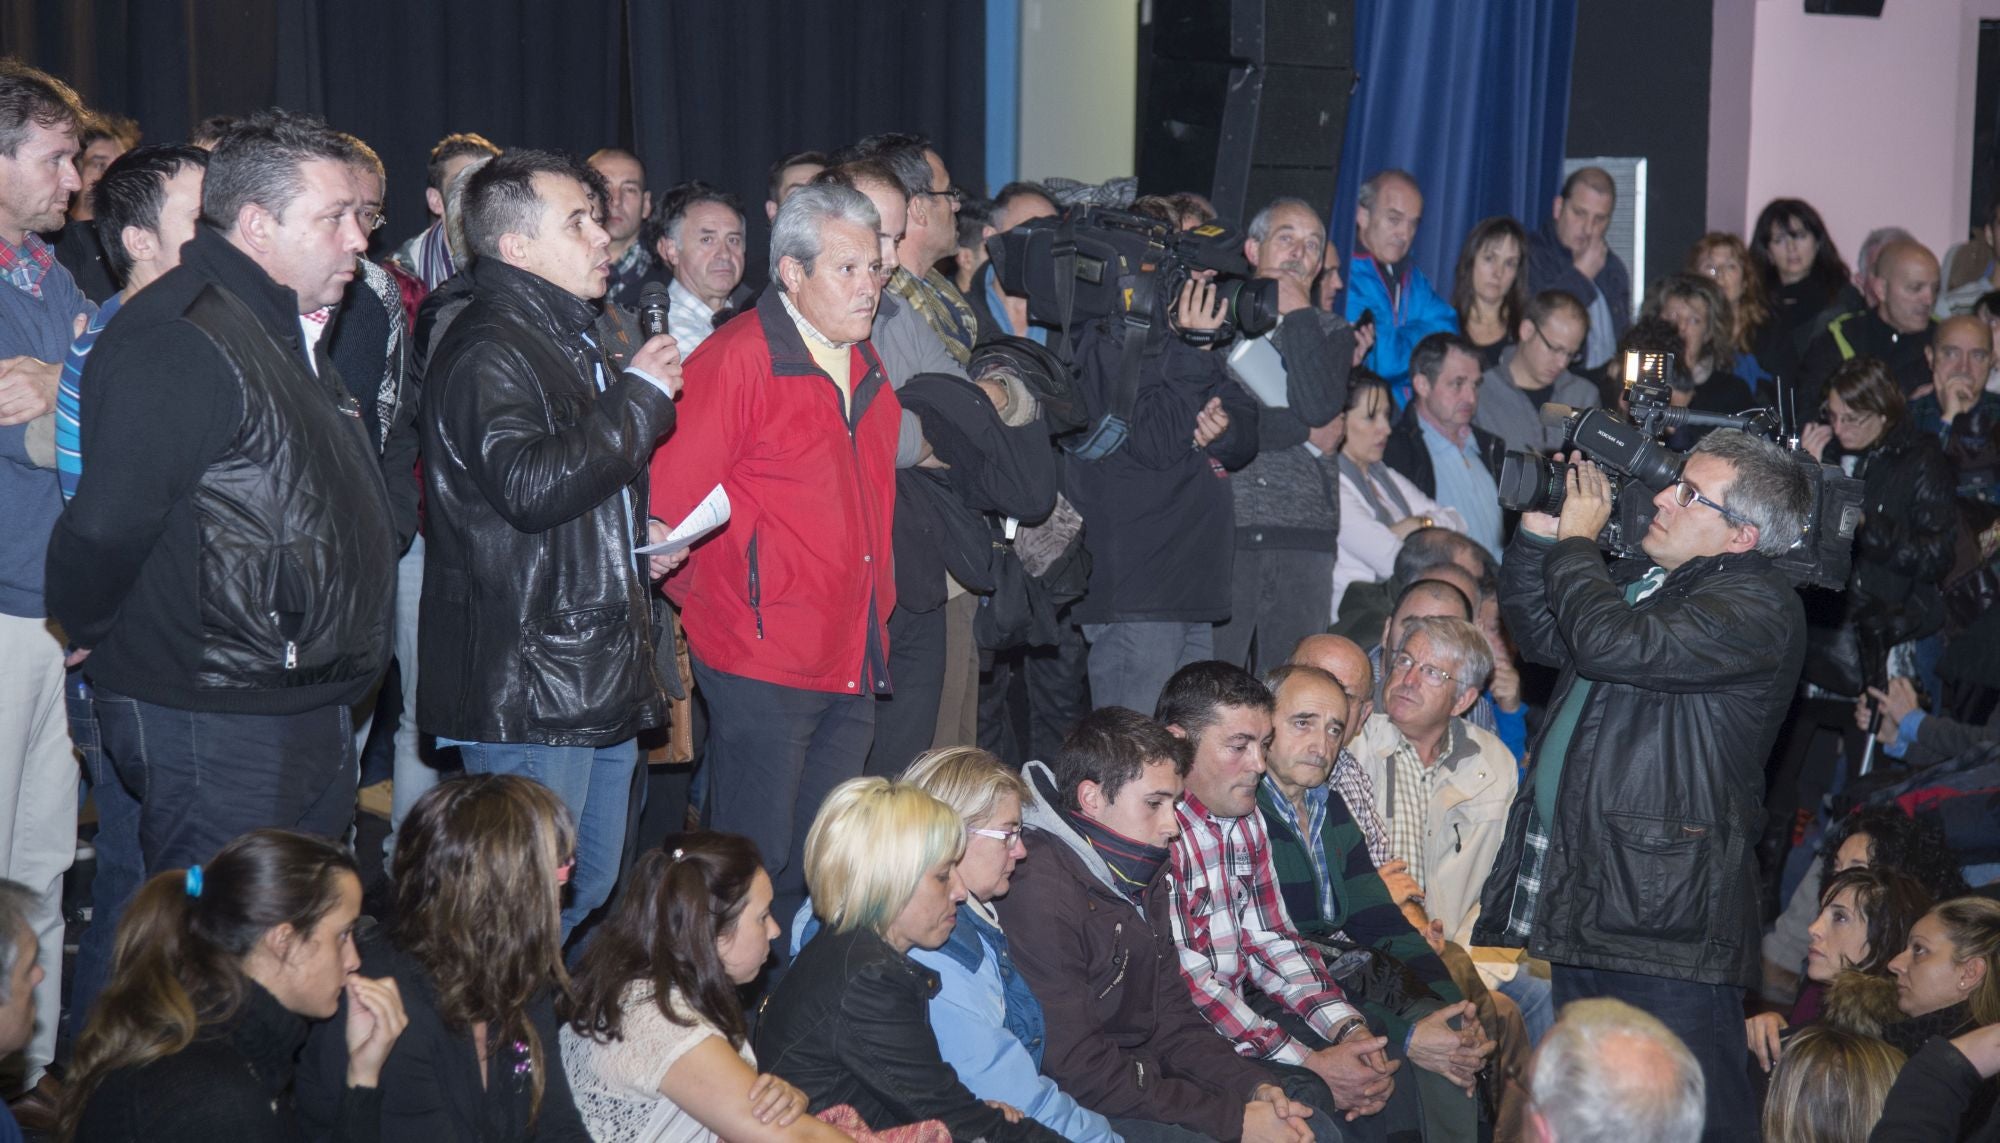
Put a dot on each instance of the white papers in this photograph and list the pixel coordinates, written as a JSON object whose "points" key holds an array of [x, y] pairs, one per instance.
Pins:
{"points": [[1256, 363], [710, 514]]}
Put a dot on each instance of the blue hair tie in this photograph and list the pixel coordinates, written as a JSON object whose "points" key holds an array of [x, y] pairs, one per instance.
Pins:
{"points": [[194, 881]]}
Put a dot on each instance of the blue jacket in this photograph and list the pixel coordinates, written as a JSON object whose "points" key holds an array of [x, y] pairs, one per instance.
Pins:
{"points": [[1398, 328], [988, 1025]]}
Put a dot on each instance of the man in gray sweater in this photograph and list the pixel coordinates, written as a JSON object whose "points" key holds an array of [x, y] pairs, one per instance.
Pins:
{"points": [[1535, 373], [1288, 499]]}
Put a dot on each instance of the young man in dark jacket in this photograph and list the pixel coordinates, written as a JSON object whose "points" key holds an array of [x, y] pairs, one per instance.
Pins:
{"points": [[1088, 923], [535, 636], [1629, 861]]}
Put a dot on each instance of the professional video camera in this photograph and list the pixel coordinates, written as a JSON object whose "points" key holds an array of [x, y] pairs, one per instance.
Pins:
{"points": [[1095, 262], [1639, 467]]}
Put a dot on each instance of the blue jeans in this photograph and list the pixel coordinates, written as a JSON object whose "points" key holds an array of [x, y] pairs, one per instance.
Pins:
{"points": [[595, 783], [1130, 663], [1535, 995], [120, 868], [1709, 1020]]}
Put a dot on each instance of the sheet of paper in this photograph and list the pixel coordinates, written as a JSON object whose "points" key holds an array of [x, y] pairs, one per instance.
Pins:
{"points": [[710, 514]]}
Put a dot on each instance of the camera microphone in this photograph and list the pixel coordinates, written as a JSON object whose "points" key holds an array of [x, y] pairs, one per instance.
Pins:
{"points": [[653, 305]]}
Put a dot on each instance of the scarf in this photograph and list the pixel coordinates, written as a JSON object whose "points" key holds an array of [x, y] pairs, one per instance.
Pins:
{"points": [[1133, 864]]}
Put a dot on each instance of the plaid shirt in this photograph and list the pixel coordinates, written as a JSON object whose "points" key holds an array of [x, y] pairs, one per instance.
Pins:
{"points": [[1410, 787], [1231, 928], [25, 266], [1359, 793]]}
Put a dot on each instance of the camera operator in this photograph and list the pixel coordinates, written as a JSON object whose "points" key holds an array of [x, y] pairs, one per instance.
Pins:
{"points": [[1158, 520], [1631, 843]]}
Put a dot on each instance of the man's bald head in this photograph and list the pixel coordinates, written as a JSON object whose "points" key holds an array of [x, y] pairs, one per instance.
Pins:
{"points": [[1907, 275], [1344, 659]]}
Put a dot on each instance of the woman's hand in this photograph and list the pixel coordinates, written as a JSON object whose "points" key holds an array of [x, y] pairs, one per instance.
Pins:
{"points": [[1814, 438], [375, 1018], [1764, 1031]]}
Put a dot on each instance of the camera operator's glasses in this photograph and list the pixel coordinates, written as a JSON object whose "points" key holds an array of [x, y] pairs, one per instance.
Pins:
{"points": [[1431, 675], [1686, 494]]}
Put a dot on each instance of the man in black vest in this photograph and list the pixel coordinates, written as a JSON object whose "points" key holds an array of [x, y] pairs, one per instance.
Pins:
{"points": [[229, 561]]}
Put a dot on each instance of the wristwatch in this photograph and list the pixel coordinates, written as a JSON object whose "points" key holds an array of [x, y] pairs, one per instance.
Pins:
{"points": [[1348, 1028]]}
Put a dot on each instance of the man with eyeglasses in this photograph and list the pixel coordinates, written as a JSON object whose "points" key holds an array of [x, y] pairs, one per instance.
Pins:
{"points": [[1630, 855], [1958, 410], [1536, 371]]}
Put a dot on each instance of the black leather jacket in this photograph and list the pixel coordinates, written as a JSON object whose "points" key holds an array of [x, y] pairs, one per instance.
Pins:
{"points": [[850, 1024], [1651, 865], [1905, 544], [536, 624]]}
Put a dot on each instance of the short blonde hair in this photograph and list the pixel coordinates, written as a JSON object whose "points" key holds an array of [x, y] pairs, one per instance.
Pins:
{"points": [[871, 845], [966, 778], [1830, 1086]]}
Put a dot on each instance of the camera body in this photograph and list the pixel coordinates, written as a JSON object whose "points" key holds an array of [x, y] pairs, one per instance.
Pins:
{"points": [[1094, 262], [1639, 467]]}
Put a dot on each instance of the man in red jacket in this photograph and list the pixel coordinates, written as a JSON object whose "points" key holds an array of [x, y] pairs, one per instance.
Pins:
{"points": [[788, 409]]}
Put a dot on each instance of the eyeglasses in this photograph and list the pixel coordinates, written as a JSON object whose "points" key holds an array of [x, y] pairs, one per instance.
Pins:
{"points": [[956, 196], [1005, 836], [371, 220], [1686, 494], [1569, 355], [1431, 675], [1849, 419]]}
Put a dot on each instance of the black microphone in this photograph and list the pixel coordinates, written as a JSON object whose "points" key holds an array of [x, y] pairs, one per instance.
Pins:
{"points": [[653, 304]]}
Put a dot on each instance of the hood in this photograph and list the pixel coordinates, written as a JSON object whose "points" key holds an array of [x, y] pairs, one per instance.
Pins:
{"points": [[1041, 813], [1861, 1003]]}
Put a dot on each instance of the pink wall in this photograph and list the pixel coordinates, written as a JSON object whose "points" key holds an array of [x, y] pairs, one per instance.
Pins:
{"points": [[1870, 120]]}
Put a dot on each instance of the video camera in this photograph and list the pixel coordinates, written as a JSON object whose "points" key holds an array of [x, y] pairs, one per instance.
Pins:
{"points": [[1639, 467], [1095, 262]]}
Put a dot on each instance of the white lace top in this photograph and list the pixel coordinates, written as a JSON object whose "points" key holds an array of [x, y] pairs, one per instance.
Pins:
{"points": [[617, 1085]]}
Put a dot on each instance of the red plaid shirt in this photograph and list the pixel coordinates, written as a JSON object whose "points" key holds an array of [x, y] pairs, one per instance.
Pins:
{"points": [[25, 268], [1232, 930]]}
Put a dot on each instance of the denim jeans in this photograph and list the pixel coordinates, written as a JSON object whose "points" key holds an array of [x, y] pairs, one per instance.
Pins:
{"points": [[595, 783], [1535, 996], [119, 867], [412, 775], [1709, 1020], [1130, 663]]}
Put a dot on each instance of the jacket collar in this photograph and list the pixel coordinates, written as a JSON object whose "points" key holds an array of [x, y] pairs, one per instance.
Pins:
{"points": [[1700, 567], [216, 258], [789, 355], [547, 305], [967, 945], [267, 1034]]}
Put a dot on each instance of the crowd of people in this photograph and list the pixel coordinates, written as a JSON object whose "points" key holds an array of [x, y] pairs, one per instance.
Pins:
{"points": [[1090, 738]]}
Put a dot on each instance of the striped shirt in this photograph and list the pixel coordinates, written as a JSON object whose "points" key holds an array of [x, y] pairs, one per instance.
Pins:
{"points": [[69, 399]]}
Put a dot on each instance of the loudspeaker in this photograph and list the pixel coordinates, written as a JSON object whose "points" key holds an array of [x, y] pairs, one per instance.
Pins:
{"points": [[1869, 8], [1246, 99]]}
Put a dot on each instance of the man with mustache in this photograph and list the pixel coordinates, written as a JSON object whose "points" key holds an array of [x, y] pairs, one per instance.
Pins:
{"points": [[1288, 499]]}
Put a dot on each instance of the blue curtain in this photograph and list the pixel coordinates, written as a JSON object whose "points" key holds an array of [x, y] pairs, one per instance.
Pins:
{"points": [[1471, 97]]}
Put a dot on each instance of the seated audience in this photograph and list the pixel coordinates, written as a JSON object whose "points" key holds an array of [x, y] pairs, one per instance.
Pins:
{"points": [[1250, 973], [1896, 328], [1830, 1088], [1948, 979], [1383, 281], [1916, 736], [656, 1045], [990, 1027], [1489, 290], [1436, 445], [475, 948], [1864, 919], [849, 1023], [1722, 259], [220, 969], [1379, 507], [1537, 370], [1449, 591], [1938, 1087], [1570, 253], [1958, 411], [1609, 1073], [1088, 918], [1703, 382], [1803, 275]]}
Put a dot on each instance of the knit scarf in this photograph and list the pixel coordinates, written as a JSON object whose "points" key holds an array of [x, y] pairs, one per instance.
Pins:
{"points": [[1133, 863]]}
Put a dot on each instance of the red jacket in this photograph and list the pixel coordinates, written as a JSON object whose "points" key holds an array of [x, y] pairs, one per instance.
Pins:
{"points": [[796, 589]]}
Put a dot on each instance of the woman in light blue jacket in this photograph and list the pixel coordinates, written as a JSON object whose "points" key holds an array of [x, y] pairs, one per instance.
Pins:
{"points": [[987, 1022]]}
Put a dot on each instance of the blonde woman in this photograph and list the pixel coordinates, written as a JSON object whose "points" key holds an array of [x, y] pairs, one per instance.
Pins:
{"points": [[1829, 1088]]}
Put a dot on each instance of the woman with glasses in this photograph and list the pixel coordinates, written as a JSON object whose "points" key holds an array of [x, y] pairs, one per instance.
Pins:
{"points": [[1703, 382], [1379, 507], [1724, 260], [1802, 273], [1488, 289]]}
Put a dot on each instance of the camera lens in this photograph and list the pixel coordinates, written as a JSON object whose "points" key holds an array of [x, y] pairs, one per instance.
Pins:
{"points": [[1251, 303], [1530, 483]]}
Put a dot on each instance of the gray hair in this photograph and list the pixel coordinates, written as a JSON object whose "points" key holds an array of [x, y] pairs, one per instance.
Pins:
{"points": [[1260, 226], [1460, 646], [1365, 197], [1871, 247], [1587, 1098], [796, 232], [1769, 491], [16, 901], [454, 211]]}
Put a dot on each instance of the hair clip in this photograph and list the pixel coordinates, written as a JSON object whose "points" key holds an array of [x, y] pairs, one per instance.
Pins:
{"points": [[677, 855], [194, 881]]}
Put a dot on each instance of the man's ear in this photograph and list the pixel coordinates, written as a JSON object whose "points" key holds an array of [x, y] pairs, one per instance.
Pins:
{"points": [[435, 201], [663, 246], [141, 244], [792, 273], [1465, 702], [646, 205], [514, 249], [1090, 797], [254, 226], [1250, 246], [1177, 730], [1744, 538]]}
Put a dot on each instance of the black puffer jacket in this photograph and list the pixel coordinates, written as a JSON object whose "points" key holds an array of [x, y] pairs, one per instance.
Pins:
{"points": [[1650, 866], [536, 623], [1904, 547], [850, 1024]]}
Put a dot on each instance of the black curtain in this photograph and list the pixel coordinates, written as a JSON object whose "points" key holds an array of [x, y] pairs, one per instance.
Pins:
{"points": [[714, 89]]}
